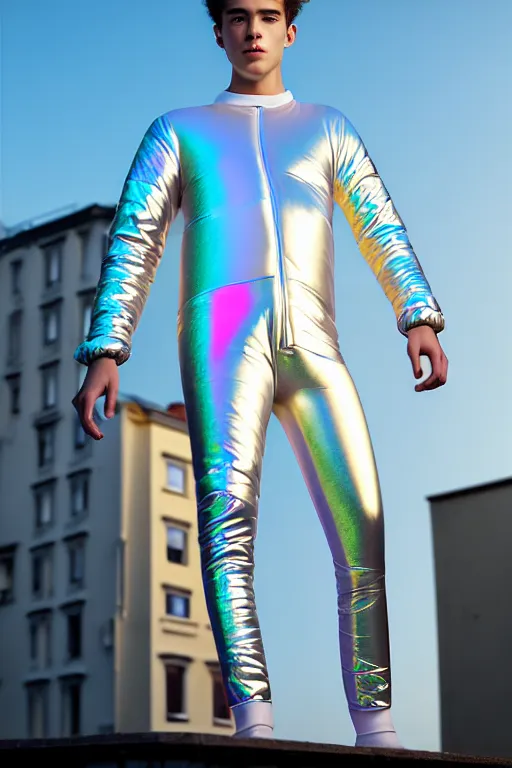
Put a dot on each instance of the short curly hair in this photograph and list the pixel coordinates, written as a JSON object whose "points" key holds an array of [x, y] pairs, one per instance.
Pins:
{"points": [[292, 8]]}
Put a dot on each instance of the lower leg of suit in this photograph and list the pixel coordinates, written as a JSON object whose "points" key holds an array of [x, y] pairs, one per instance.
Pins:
{"points": [[228, 385], [320, 411]]}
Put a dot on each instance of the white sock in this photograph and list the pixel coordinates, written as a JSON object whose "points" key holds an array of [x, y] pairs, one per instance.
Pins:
{"points": [[253, 720], [374, 728]]}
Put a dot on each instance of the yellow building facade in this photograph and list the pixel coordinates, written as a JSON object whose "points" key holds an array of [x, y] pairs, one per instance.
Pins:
{"points": [[166, 649]]}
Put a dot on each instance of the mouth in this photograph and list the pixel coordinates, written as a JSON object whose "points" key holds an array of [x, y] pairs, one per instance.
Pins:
{"points": [[255, 49]]}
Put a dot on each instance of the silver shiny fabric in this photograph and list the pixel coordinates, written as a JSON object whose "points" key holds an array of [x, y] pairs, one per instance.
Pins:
{"points": [[256, 187], [234, 376], [257, 334]]}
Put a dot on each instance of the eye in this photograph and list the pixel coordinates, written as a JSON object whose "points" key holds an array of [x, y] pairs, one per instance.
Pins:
{"points": [[270, 18], [235, 19]]}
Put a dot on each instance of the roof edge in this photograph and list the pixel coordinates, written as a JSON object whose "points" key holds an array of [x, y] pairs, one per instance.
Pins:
{"points": [[56, 226], [470, 489]]}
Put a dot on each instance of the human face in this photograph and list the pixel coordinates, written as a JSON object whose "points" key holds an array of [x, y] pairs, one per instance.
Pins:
{"points": [[254, 34]]}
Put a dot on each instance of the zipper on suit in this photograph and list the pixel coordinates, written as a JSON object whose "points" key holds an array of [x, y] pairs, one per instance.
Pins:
{"points": [[281, 297]]}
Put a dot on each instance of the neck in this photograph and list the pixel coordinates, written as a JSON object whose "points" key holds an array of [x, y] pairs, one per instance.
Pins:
{"points": [[269, 86]]}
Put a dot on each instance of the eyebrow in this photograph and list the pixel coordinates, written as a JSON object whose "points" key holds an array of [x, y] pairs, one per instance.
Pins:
{"points": [[243, 12]]}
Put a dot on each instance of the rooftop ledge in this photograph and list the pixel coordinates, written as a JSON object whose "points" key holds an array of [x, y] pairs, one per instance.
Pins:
{"points": [[175, 750]]}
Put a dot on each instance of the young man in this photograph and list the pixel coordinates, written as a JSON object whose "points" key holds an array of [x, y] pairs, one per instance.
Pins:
{"points": [[256, 174]]}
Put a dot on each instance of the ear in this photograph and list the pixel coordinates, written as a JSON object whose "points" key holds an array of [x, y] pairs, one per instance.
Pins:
{"points": [[291, 34], [218, 36]]}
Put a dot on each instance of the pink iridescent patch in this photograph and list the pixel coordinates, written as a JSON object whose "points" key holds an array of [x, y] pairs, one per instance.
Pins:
{"points": [[230, 307]]}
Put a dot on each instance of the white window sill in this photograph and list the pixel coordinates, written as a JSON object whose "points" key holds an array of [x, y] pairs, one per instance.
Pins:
{"points": [[178, 717], [221, 722]]}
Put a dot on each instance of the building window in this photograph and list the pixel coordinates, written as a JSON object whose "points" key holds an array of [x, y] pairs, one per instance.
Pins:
{"points": [[14, 384], [42, 572], [82, 373], [175, 476], [87, 306], [74, 626], [221, 710], [52, 264], [176, 545], [46, 445], [84, 239], [175, 690], [76, 563], [79, 490], [51, 323], [16, 267], [40, 629], [177, 603], [72, 706], [38, 715], [44, 497], [7, 559], [80, 438], [14, 336], [49, 381]]}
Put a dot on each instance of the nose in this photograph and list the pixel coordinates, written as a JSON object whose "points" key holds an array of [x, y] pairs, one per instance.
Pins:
{"points": [[252, 30]]}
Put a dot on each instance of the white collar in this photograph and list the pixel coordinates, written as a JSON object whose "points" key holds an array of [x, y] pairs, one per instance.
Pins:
{"points": [[248, 100]]}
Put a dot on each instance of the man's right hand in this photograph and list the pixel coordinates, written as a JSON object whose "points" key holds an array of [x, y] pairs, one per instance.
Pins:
{"points": [[102, 379]]}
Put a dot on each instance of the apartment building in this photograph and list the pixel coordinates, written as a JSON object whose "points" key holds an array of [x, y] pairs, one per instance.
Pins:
{"points": [[103, 624], [472, 532]]}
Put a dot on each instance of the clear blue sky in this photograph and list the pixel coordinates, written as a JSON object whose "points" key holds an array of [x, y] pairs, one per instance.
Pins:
{"points": [[427, 84]]}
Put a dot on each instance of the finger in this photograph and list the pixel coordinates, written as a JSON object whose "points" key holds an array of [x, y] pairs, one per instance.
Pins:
{"points": [[88, 424], [414, 354], [432, 382], [110, 401], [440, 368], [444, 374]]}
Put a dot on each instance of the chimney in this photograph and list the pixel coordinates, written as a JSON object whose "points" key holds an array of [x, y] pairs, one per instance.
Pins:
{"points": [[177, 411]]}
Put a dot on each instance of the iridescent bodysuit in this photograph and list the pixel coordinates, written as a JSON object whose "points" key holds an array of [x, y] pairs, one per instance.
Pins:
{"points": [[256, 179]]}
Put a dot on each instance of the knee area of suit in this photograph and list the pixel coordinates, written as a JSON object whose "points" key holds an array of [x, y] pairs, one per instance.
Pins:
{"points": [[351, 579]]}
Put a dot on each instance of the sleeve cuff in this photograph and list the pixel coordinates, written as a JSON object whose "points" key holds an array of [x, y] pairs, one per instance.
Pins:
{"points": [[103, 346], [421, 316]]}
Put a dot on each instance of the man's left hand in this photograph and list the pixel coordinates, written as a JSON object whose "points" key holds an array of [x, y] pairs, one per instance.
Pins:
{"points": [[422, 340]]}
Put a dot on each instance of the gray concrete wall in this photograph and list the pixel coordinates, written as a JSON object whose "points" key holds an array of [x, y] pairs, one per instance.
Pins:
{"points": [[472, 536]]}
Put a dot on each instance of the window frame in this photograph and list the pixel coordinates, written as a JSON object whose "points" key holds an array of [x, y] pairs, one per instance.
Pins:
{"points": [[8, 554], [48, 487], [16, 267], [178, 593], [14, 336], [46, 371], [51, 428], [84, 238], [49, 249], [68, 683], [38, 687], [46, 309], [40, 620], [216, 676], [183, 664], [76, 543], [46, 554], [83, 478], [86, 305], [173, 462], [13, 380], [71, 611], [171, 525], [80, 438]]}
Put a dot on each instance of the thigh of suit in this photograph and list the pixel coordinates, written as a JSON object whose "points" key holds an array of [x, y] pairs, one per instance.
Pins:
{"points": [[227, 357], [319, 408]]}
